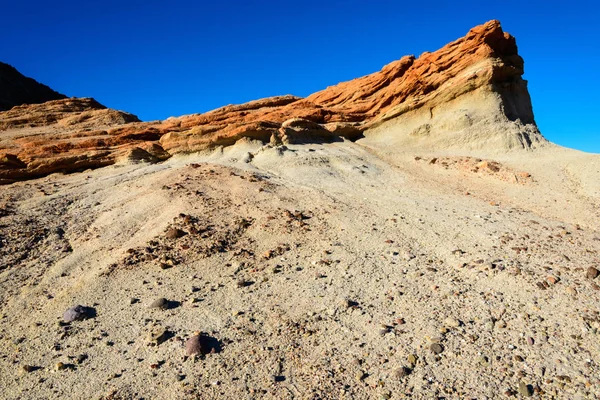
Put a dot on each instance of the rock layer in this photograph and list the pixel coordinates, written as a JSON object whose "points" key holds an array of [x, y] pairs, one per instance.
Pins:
{"points": [[470, 94]]}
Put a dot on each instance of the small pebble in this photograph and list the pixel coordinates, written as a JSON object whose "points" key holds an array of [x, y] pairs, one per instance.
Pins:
{"points": [[28, 368], [159, 336], [525, 389], [78, 313], [384, 329], [412, 359], [81, 358], [361, 376], [347, 303], [402, 372], [530, 341], [592, 273], [161, 303], [436, 348], [201, 344]]}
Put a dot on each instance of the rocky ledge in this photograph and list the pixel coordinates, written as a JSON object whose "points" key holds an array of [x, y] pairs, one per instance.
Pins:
{"points": [[469, 94]]}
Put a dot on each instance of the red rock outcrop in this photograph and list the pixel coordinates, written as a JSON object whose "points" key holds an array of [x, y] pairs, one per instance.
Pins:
{"points": [[80, 133]]}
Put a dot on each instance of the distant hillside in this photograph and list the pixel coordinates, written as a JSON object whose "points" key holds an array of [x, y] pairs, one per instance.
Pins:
{"points": [[17, 89]]}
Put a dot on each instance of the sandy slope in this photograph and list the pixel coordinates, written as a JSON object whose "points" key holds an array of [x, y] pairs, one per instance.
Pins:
{"points": [[321, 269]]}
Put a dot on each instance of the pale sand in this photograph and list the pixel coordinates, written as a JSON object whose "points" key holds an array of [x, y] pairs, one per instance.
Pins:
{"points": [[397, 237]]}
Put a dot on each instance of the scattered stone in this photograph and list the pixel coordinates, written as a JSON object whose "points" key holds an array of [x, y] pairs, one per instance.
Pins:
{"points": [[174, 233], [436, 348], [268, 254], [484, 361], [241, 283], [202, 344], [553, 280], [160, 303], [347, 303], [79, 313], [592, 273], [361, 376], [81, 358], [158, 336], [60, 366], [525, 389], [402, 372], [530, 341], [28, 368], [384, 329], [412, 359]]}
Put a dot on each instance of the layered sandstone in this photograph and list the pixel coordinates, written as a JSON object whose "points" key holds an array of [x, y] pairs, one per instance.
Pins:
{"points": [[470, 94]]}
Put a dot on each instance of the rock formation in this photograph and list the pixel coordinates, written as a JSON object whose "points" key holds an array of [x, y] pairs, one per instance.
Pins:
{"points": [[469, 95], [16, 89]]}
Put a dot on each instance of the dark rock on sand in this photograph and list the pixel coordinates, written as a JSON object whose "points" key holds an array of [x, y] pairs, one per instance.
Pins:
{"points": [[79, 313]]}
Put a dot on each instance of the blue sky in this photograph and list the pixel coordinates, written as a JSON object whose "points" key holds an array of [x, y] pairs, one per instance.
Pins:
{"points": [[158, 59]]}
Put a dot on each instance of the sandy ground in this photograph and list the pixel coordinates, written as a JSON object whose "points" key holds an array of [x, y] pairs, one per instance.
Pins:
{"points": [[333, 271]]}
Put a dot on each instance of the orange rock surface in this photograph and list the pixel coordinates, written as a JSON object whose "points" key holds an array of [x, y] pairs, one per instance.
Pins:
{"points": [[75, 134]]}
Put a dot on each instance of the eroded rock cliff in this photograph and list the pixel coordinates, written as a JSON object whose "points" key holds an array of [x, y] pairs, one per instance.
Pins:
{"points": [[468, 95]]}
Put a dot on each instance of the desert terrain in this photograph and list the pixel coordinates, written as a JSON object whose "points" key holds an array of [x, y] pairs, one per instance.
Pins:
{"points": [[387, 238]]}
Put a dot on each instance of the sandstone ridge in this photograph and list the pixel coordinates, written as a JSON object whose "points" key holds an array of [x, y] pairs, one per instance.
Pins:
{"points": [[468, 95]]}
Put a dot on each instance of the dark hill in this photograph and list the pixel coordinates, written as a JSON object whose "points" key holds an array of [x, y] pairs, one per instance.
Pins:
{"points": [[17, 89]]}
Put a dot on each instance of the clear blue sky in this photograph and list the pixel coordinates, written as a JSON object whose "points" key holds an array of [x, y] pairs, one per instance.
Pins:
{"points": [[166, 58]]}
